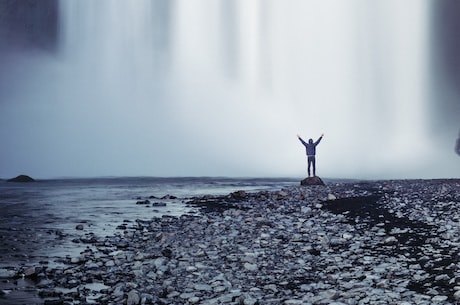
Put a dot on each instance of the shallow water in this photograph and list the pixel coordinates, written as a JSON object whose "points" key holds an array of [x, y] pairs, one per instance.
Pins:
{"points": [[34, 213], [38, 220]]}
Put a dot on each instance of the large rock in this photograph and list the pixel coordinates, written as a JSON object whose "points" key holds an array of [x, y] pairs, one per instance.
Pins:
{"points": [[312, 181], [21, 178]]}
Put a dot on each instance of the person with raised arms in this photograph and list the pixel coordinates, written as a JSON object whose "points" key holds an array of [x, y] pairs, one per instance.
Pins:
{"points": [[310, 148]]}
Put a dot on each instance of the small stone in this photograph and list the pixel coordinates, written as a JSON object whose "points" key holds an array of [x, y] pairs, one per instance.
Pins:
{"points": [[250, 267], [442, 277], [79, 227], [110, 263], [187, 295], [249, 301], [167, 252], [391, 240], [203, 287], [169, 197], [293, 302], [457, 295], [5, 273], [331, 197], [305, 210], [439, 298], [133, 298], [30, 272], [76, 260], [191, 268], [219, 289]]}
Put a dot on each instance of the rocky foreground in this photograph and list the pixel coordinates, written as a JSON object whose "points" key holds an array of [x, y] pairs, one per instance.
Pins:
{"points": [[388, 242]]}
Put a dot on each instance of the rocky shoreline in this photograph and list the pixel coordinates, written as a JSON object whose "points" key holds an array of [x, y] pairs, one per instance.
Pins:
{"points": [[379, 242]]}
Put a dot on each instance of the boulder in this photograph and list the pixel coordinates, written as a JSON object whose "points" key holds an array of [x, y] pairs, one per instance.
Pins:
{"points": [[312, 181], [21, 178]]}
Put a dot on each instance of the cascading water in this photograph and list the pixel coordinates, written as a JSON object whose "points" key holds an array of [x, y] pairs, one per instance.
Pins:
{"points": [[206, 87]]}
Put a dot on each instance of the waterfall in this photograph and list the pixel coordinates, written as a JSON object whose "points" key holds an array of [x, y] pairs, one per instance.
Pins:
{"points": [[220, 87]]}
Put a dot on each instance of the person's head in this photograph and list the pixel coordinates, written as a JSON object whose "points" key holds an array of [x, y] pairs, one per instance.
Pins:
{"points": [[310, 141]]}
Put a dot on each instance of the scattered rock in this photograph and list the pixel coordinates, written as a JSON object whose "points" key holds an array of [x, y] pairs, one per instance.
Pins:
{"points": [[168, 197], [373, 243]]}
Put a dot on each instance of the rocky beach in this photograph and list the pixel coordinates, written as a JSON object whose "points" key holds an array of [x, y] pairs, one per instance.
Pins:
{"points": [[371, 242]]}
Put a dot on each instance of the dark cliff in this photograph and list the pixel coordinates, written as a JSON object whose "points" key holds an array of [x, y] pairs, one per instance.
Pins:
{"points": [[29, 23]]}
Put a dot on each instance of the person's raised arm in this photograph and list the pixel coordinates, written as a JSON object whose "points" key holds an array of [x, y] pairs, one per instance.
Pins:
{"points": [[301, 140], [319, 140]]}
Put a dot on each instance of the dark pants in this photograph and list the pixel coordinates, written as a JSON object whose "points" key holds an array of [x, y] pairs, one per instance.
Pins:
{"points": [[311, 161]]}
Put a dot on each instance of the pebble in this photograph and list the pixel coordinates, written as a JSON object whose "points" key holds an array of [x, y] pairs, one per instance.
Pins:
{"points": [[250, 267], [374, 242], [457, 295], [5, 273]]}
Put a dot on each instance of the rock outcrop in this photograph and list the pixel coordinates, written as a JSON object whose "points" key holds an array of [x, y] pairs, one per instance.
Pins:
{"points": [[31, 23], [312, 181], [22, 178]]}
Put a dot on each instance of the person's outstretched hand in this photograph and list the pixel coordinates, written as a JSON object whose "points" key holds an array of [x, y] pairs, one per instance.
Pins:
{"points": [[322, 134]]}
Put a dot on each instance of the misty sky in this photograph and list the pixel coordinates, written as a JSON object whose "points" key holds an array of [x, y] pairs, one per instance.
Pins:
{"points": [[221, 88]]}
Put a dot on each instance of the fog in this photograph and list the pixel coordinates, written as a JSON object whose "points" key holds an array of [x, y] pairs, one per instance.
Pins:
{"points": [[221, 88]]}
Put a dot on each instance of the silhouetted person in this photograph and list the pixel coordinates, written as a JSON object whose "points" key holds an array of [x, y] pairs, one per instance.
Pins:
{"points": [[311, 152], [457, 145]]}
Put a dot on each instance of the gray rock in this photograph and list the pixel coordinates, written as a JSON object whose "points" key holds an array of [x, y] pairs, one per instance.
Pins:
{"points": [[457, 295], [30, 272], [250, 267], [312, 181], [290, 247], [6, 274], [133, 298]]}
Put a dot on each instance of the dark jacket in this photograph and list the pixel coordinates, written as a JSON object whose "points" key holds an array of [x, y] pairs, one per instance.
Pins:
{"points": [[310, 146]]}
